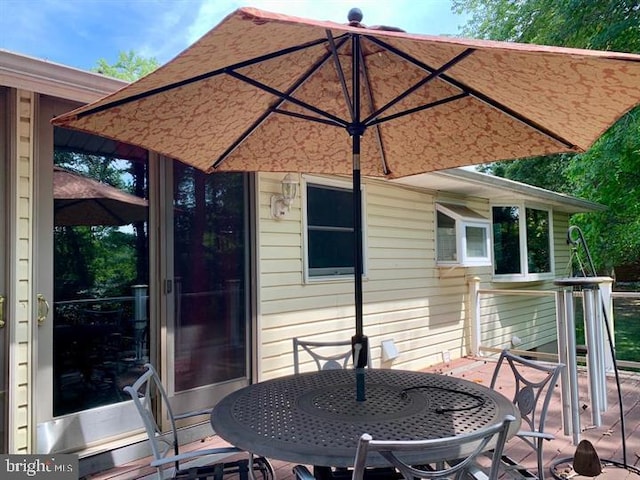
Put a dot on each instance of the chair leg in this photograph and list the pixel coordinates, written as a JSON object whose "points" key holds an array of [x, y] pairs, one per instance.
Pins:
{"points": [[517, 471], [540, 460], [218, 472], [263, 467]]}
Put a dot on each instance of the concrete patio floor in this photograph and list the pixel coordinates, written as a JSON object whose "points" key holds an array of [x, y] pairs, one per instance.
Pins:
{"points": [[606, 439]]}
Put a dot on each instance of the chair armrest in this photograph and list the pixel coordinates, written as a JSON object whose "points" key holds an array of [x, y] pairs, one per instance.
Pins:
{"points": [[544, 436], [302, 473], [194, 413], [220, 453]]}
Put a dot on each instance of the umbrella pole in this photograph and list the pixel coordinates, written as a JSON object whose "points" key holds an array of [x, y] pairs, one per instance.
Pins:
{"points": [[359, 341]]}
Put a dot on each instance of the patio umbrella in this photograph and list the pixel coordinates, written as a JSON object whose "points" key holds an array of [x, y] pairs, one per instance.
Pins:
{"points": [[269, 92], [79, 200]]}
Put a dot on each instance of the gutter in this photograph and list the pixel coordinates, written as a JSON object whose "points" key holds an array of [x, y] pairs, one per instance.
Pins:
{"points": [[522, 189]]}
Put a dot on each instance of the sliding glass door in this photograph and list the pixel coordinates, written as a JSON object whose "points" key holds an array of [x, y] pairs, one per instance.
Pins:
{"points": [[210, 318], [140, 259], [93, 260]]}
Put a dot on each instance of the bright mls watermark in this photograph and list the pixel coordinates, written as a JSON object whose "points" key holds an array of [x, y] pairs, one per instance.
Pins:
{"points": [[42, 467]]}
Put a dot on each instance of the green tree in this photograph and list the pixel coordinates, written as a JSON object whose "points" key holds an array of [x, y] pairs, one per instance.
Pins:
{"points": [[607, 173], [594, 24], [130, 66]]}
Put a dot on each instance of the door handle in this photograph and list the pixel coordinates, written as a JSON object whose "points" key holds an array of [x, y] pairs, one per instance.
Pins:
{"points": [[2, 322], [43, 309]]}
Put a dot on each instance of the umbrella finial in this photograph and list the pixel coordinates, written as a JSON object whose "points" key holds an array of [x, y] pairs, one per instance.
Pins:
{"points": [[355, 16]]}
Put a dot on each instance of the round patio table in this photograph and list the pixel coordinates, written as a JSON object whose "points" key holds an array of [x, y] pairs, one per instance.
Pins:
{"points": [[314, 418]]}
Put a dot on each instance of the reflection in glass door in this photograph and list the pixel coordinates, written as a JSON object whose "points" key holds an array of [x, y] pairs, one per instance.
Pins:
{"points": [[101, 271], [211, 252]]}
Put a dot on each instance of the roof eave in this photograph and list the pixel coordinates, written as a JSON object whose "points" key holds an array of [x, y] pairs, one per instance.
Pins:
{"points": [[498, 188], [49, 78]]}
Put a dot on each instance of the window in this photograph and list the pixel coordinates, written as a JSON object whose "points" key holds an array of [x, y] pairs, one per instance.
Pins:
{"points": [[329, 228], [462, 236], [522, 247]]}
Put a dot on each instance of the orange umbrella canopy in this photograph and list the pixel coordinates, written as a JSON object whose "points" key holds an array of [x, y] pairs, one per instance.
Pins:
{"points": [[270, 92], [79, 200]]}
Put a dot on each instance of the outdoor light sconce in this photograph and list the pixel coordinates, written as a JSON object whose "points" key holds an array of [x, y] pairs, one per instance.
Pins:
{"points": [[281, 204]]}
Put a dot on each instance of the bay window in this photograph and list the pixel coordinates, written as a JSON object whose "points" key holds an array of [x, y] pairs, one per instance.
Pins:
{"points": [[462, 236]]}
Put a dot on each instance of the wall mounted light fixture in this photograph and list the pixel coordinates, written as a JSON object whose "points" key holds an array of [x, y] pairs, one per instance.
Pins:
{"points": [[281, 204]]}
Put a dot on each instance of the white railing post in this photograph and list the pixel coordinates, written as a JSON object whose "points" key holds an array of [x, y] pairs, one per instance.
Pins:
{"points": [[606, 287], [565, 390], [565, 319], [474, 315], [595, 364]]}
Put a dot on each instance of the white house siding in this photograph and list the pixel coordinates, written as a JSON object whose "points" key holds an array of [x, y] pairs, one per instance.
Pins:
{"points": [[406, 298], [21, 104], [531, 318]]}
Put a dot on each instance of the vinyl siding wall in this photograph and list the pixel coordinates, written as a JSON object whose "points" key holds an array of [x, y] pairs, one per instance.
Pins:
{"points": [[405, 296]]}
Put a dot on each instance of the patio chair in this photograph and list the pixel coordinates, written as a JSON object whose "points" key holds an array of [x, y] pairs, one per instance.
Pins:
{"points": [[533, 386], [323, 354], [198, 464], [396, 452]]}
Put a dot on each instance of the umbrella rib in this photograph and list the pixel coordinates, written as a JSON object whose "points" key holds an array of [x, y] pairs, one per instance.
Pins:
{"points": [[197, 78], [275, 108], [286, 97], [340, 73], [365, 74], [475, 93], [433, 74], [426, 106], [309, 117]]}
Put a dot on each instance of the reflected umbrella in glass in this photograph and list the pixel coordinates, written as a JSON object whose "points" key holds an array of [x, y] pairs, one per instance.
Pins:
{"points": [[80, 200]]}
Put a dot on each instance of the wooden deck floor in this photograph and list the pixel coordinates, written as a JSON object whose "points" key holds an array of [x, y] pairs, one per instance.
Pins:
{"points": [[606, 439]]}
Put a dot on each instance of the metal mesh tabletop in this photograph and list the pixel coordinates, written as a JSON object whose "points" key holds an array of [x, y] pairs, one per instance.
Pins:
{"points": [[314, 418]]}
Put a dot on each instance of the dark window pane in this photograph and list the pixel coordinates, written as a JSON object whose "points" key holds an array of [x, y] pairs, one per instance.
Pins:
{"points": [[538, 241], [506, 240], [329, 206], [331, 249], [330, 230]]}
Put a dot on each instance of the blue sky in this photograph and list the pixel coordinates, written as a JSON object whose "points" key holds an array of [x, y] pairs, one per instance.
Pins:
{"points": [[79, 32]]}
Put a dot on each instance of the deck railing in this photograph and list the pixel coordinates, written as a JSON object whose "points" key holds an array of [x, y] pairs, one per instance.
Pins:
{"points": [[598, 303], [618, 312]]}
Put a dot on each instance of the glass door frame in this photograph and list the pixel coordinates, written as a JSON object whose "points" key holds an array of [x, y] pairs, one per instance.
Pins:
{"points": [[5, 155]]}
